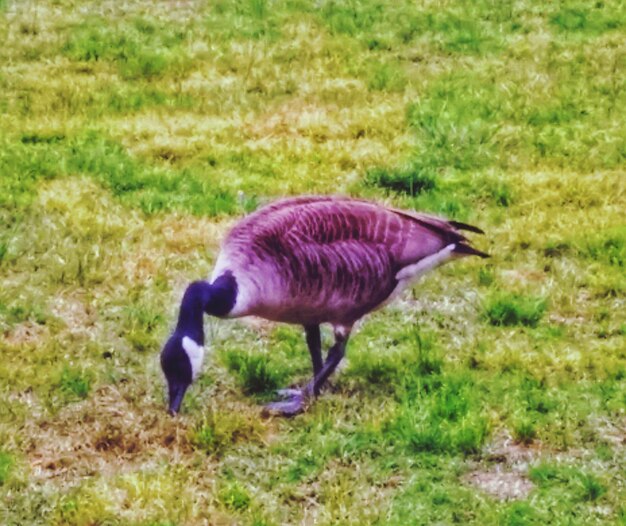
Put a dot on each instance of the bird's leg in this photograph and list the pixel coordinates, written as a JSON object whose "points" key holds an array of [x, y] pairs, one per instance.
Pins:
{"points": [[297, 399], [335, 355], [314, 343]]}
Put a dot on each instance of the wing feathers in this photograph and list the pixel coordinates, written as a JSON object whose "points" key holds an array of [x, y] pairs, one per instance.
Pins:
{"points": [[446, 229], [465, 226], [337, 243], [443, 231]]}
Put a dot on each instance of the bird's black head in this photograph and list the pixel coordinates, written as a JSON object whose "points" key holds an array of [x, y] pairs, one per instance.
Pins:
{"points": [[182, 355], [179, 357]]}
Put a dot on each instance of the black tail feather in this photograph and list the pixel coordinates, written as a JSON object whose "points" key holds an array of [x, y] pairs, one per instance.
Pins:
{"points": [[462, 248], [465, 226]]}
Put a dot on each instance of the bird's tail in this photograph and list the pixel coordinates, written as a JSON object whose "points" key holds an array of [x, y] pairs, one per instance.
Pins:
{"points": [[464, 249], [464, 226], [448, 232]]}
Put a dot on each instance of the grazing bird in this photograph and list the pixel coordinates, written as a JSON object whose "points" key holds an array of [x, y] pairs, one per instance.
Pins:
{"points": [[309, 260]]}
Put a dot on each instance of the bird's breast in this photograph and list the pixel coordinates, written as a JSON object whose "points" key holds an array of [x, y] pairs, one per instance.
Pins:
{"points": [[299, 280]]}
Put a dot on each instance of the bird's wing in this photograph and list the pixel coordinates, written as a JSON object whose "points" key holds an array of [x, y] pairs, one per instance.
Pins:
{"points": [[290, 225]]}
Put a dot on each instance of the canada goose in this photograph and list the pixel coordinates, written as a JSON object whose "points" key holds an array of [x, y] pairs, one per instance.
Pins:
{"points": [[308, 261]]}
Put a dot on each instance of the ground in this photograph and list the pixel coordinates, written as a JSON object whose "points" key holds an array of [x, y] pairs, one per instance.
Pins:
{"points": [[133, 134]]}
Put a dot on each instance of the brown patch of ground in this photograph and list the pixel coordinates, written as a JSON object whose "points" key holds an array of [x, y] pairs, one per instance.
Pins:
{"points": [[26, 333], [523, 276], [262, 326], [505, 450], [505, 477], [173, 10], [294, 118], [502, 485], [185, 234], [102, 434], [613, 433], [79, 317]]}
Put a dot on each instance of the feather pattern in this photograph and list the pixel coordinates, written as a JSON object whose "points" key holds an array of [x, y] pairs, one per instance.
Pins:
{"points": [[311, 260]]}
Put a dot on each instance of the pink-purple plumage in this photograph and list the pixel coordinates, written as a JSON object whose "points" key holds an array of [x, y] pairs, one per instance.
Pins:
{"points": [[312, 260]]}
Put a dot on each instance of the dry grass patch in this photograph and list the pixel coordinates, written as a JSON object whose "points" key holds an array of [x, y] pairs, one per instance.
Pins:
{"points": [[26, 334], [505, 477], [333, 497], [106, 433], [502, 485], [293, 119], [78, 316], [186, 235], [175, 137]]}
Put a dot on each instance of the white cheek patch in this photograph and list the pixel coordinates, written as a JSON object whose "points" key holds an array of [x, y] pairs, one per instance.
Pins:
{"points": [[195, 353]]}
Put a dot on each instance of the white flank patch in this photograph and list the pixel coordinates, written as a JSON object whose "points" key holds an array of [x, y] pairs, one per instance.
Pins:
{"points": [[412, 272], [195, 353]]}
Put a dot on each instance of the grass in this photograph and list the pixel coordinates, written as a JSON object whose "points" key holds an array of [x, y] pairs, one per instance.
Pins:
{"points": [[514, 309], [218, 430], [74, 383], [134, 133], [6, 466]]}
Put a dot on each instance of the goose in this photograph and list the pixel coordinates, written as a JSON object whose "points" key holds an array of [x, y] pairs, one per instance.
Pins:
{"points": [[309, 260]]}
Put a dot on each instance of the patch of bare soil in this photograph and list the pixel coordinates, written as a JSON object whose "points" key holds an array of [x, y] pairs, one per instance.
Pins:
{"points": [[292, 119], [613, 433], [504, 474], [185, 235], [506, 451], [502, 485], [26, 333], [78, 316], [101, 435]]}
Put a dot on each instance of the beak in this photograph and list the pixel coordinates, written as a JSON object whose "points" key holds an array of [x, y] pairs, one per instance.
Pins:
{"points": [[177, 393]]}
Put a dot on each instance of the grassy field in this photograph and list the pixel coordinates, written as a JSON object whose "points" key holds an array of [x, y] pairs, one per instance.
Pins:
{"points": [[133, 134]]}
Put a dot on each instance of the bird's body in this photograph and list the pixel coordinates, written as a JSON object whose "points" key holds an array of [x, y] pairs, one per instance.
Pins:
{"points": [[313, 260]]}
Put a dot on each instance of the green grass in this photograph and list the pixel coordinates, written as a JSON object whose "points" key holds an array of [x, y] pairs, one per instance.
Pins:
{"points": [[255, 373], [234, 497], [218, 430], [592, 20], [525, 431], [513, 309], [410, 180], [74, 383], [6, 466], [143, 50], [133, 135], [441, 417]]}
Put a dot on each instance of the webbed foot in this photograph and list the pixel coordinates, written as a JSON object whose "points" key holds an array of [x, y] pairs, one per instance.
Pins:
{"points": [[289, 391], [293, 404]]}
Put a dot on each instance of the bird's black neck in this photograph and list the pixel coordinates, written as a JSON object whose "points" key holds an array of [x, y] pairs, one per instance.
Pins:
{"points": [[217, 299]]}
